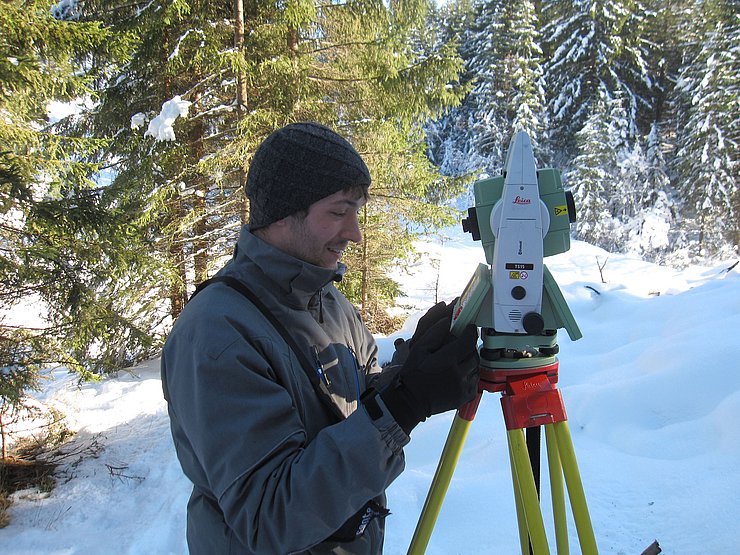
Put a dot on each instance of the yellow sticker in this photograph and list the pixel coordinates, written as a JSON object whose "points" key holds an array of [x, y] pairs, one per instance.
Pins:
{"points": [[514, 275], [561, 210]]}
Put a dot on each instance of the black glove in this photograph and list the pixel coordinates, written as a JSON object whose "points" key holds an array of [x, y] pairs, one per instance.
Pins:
{"points": [[440, 374], [438, 312]]}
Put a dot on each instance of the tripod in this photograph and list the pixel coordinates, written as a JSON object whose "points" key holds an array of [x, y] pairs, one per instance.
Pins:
{"points": [[529, 400]]}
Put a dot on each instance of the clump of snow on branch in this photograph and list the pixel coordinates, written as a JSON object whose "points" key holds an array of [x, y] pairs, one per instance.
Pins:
{"points": [[138, 120], [161, 126]]}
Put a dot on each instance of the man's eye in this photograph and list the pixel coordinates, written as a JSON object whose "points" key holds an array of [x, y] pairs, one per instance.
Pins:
{"points": [[339, 214]]}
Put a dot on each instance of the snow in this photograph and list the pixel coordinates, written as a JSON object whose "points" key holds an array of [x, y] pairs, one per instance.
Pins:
{"points": [[65, 10], [176, 52], [161, 127], [652, 393], [138, 120]]}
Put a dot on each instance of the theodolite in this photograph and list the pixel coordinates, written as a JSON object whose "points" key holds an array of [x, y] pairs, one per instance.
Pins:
{"points": [[520, 218]]}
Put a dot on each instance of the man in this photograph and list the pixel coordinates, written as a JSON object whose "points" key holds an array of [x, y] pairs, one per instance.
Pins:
{"points": [[284, 458]]}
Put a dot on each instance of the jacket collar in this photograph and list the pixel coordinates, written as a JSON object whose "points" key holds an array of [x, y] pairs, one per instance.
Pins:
{"points": [[297, 280]]}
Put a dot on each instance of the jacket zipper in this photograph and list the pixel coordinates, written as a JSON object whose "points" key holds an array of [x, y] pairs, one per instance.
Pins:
{"points": [[321, 305], [320, 369], [357, 370]]}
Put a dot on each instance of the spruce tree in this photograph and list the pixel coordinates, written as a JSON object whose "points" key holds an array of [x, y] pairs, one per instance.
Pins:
{"points": [[527, 102], [369, 70], [454, 138], [55, 225], [489, 121], [653, 230], [591, 46], [665, 37], [500, 46], [168, 114], [592, 178], [708, 130]]}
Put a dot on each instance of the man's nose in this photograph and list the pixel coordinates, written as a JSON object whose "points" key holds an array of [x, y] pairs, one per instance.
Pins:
{"points": [[352, 229]]}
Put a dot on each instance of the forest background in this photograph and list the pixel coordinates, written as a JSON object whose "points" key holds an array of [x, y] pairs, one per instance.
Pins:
{"points": [[127, 127]]}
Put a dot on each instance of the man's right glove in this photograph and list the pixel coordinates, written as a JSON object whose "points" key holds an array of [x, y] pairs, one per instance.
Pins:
{"points": [[440, 374]]}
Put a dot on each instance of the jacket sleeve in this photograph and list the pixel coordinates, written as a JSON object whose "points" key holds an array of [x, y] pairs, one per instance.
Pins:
{"points": [[246, 445]]}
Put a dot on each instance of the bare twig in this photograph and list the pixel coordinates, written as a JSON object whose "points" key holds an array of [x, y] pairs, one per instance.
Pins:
{"points": [[118, 472], [80, 449], [601, 268]]}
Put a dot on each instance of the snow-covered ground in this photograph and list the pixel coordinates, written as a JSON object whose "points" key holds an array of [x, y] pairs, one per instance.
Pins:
{"points": [[653, 399]]}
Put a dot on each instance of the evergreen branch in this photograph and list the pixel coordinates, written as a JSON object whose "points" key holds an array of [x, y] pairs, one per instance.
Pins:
{"points": [[209, 77], [342, 79], [26, 328], [377, 77], [349, 44]]}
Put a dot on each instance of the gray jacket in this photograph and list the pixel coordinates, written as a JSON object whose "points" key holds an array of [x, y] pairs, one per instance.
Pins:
{"points": [[272, 472]]}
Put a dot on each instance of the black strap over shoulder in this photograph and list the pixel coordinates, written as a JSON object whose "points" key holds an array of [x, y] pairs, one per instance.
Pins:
{"points": [[312, 372]]}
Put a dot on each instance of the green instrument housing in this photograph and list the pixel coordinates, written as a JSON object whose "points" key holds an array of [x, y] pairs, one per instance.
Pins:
{"points": [[560, 208]]}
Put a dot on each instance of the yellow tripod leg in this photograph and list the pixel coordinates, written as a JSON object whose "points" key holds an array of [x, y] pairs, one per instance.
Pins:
{"points": [[528, 490], [440, 483], [558, 494], [575, 489], [521, 518]]}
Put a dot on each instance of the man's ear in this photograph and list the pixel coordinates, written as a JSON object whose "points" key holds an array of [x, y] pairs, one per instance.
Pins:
{"points": [[276, 233]]}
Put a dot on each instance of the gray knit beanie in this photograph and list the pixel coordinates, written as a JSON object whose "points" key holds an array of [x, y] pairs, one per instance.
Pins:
{"points": [[296, 166]]}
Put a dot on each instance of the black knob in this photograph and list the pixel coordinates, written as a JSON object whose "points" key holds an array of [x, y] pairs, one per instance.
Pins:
{"points": [[571, 204], [470, 224], [519, 292], [533, 323]]}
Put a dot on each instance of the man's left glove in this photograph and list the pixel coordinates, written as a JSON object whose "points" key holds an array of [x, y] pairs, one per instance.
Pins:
{"points": [[440, 311], [440, 374]]}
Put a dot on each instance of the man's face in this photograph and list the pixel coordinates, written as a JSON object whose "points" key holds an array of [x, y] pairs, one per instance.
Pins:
{"points": [[322, 236]]}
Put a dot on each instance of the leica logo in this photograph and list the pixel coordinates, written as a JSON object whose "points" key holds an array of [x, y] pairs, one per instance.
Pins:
{"points": [[520, 200]]}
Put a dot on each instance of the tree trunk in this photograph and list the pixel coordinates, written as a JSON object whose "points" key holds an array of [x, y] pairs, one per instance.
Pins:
{"points": [[200, 232], [364, 308], [241, 88], [2, 437], [178, 288], [241, 96], [201, 226]]}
